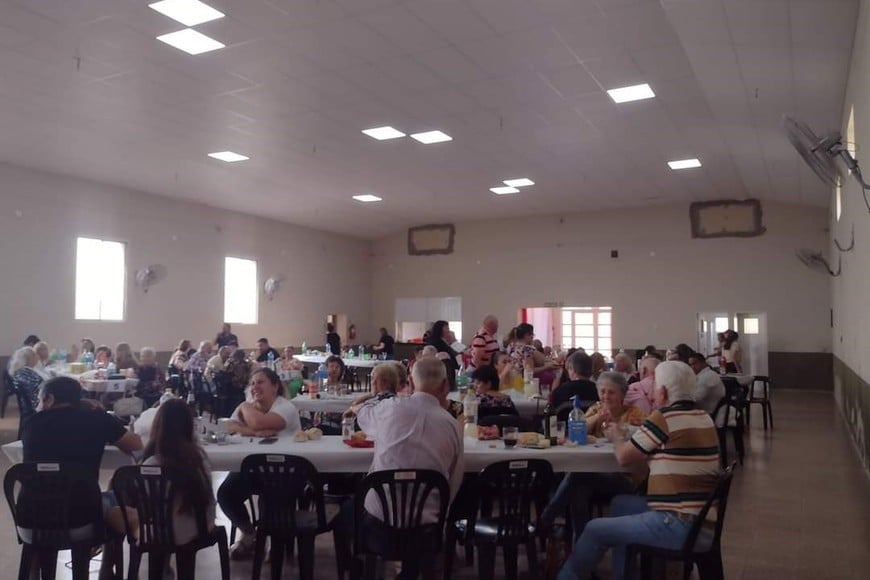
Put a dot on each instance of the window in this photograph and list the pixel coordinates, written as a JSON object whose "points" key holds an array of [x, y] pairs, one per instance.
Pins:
{"points": [[750, 326], [589, 328], [240, 291], [100, 276], [721, 323]]}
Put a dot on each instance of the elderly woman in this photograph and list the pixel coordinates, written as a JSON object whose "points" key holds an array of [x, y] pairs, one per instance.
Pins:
{"points": [[385, 384], [42, 359], [152, 379], [26, 380], [490, 401], [577, 489], [102, 356], [124, 358], [622, 363], [599, 365], [178, 360]]}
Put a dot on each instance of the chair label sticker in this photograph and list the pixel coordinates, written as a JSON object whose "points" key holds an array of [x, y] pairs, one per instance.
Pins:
{"points": [[150, 470], [275, 458], [47, 467], [518, 465], [405, 475]]}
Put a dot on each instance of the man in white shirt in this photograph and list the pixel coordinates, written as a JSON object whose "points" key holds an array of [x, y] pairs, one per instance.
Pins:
{"points": [[218, 362], [413, 432], [709, 388]]}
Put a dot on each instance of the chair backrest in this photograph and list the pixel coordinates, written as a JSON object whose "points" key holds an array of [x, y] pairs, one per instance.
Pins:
{"points": [[719, 499], [734, 390], [402, 495], [507, 491], [286, 485], [150, 490], [49, 499]]}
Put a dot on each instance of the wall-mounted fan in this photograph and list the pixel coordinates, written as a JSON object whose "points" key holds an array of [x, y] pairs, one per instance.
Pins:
{"points": [[272, 285], [148, 276], [816, 261], [822, 153]]}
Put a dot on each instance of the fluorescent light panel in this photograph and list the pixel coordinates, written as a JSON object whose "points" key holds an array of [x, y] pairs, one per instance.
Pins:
{"points": [[383, 133], [367, 198], [228, 156], [632, 93], [521, 182], [429, 137], [188, 12], [191, 41], [684, 164], [504, 190]]}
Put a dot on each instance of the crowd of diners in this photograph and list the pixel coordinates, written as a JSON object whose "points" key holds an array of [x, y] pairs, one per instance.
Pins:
{"points": [[667, 402]]}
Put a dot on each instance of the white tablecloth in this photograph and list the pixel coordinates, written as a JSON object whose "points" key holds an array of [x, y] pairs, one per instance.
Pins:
{"points": [[744, 380], [526, 407], [325, 405], [348, 362], [108, 385], [331, 455]]}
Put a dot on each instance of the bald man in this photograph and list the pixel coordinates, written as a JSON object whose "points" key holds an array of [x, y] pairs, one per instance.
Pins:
{"points": [[641, 394], [484, 344]]}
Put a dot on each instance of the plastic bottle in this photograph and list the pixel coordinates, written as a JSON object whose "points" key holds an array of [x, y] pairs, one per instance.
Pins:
{"points": [[469, 410], [304, 348], [362, 352], [271, 359], [322, 376], [577, 424], [328, 350], [550, 420], [110, 370]]}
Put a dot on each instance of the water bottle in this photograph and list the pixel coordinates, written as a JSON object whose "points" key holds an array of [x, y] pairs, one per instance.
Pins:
{"points": [[110, 370], [328, 350], [88, 359], [271, 359], [362, 352], [469, 410], [322, 376], [577, 424], [304, 348]]}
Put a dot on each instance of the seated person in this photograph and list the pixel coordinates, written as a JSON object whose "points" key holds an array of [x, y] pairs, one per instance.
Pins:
{"points": [[683, 441], [577, 489], [622, 363], [508, 378], [268, 414], [144, 424], [124, 358], [579, 367], [385, 384], [199, 360], [102, 357], [218, 362], [238, 373], [490, 400], [709, 388], [43, 360], [641, 394], [152, 379], [66, 430], [330, 423], [288, 363], [178, 360], [174, 445], [264, 350]]}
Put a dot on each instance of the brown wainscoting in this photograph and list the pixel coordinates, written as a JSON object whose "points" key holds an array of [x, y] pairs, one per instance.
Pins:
{"points": [[853, 396], [801, 370]]}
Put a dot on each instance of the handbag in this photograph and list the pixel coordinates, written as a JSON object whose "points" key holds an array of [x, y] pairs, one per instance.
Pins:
{"points": [[128, 406]]}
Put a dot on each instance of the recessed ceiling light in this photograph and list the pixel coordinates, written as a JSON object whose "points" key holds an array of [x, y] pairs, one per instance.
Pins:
{"points": [[684, 164], [521, 182], [632, 93], [188, 12], [504, 190], [383, 133], [228, 156], [367, 197], [432, 137], [191, 41]]}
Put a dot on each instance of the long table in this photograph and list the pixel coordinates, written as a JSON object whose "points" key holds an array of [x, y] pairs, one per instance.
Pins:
{"points": [[526, 407], [348, 362], [331, 455]]}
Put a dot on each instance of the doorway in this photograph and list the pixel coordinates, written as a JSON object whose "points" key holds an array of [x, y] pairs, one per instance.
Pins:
{"points": [[750, 326]]}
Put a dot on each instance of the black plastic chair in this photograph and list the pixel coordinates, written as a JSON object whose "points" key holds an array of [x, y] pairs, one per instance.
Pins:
{"points": [[290, 508], [732, 405], [763, 400], [709, 562], [150, 491], [402, 495], [49, 503], [507, 490], [25, 407]]}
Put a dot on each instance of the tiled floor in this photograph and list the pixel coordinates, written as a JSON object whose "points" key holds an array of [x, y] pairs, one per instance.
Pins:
{"points": [[800, 506]]}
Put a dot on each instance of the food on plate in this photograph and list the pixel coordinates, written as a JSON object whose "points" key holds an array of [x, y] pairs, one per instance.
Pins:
{"points": [[358, 436], [487, 432], [300, 437], [314, 434], [528, 438]]}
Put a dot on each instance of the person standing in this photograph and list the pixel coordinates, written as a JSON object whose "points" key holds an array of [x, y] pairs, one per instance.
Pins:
{"points": [[333, 340], [484, 344], [438, 339], [225, 337], [386, 345]]}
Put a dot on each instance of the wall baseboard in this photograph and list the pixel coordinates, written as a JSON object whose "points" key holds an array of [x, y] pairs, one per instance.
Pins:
{"points": [[853, 397], [801, 370]]}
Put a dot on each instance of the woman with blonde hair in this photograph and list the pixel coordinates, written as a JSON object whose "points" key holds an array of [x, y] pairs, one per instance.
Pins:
{"points": [[599, 365], [124, 358], [179, 357]]}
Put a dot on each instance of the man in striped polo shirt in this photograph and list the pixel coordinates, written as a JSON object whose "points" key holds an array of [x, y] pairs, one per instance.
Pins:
{"points": [[484, 344], [679, 443]]}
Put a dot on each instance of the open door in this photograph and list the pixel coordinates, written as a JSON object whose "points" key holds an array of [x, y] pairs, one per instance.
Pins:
{"points": [[752, 328], [710, 324]]}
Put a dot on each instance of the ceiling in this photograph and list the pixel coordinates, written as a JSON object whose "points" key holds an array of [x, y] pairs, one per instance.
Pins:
{"points": [[86, 90]]}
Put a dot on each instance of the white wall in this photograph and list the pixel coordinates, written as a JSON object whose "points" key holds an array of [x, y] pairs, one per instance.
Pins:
{"points": [[326, 273], [850, 292], [661, 279]]}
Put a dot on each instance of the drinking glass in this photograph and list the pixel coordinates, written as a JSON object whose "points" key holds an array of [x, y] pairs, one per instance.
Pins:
{"points": [[560, 430], [510, 435]]}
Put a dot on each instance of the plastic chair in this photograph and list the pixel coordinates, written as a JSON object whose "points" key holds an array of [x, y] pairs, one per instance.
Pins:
{"points": [[731, 405], [763, 400], [709, 562], [150, 491], [44, 499], [507, 490], [290, 508], [402, 495]]}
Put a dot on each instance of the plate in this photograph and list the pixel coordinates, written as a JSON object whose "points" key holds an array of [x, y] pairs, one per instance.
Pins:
{"points": [[364, 444]]}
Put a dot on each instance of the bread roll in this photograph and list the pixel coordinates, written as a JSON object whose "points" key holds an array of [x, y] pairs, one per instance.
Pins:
{"points": [[314, 434], [300, 437], [359, 436]]}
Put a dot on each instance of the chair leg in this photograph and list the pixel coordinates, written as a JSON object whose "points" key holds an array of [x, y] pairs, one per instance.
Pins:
{"points": [[510, 561], [27, 555], [156, 563], [486, 561], [532, 558], [47, 564], [449, 551], [185, 561], [259, 554], [710, 566], [224, 553], [135, 561], [748, 412], [645, 567], [81, 559], [370, 568], [738, 443], [276, 555], [306, 557]]}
